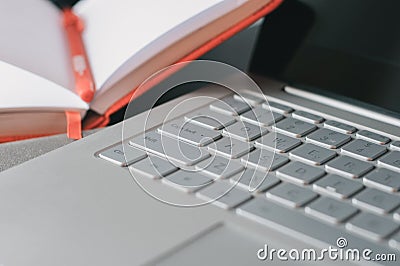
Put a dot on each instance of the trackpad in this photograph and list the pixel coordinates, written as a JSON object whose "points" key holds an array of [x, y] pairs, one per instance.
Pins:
{"points": [[221, 245]]}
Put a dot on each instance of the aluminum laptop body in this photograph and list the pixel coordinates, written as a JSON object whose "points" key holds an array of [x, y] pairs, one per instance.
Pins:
{"points": [[83, 205]]}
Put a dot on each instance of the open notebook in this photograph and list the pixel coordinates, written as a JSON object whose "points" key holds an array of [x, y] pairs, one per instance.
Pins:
{"points": [[126, 41]]}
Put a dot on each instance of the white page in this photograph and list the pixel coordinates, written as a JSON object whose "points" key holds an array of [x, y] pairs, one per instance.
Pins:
{"points": [[128, 32], [32, 38], [23, 91]]}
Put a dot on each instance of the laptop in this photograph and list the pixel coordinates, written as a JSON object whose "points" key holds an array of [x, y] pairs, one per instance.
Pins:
{"points": [[300, 166]]}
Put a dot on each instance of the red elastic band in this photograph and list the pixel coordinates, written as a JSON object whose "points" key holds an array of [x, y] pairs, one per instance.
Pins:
{"points": [[74, 126]]}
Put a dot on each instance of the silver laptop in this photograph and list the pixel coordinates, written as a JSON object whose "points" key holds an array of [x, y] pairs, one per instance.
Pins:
{"points": [[305, 170]]}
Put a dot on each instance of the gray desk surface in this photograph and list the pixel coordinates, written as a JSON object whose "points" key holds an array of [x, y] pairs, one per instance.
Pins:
{"points": [[14, 153]]}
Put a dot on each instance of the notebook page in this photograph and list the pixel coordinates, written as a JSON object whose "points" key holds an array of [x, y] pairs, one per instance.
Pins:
{"points": [[23, 91], [32, 38], [128, 32]]}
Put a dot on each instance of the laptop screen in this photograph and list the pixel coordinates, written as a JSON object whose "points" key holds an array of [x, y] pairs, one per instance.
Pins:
{"points": [[346, 49]]}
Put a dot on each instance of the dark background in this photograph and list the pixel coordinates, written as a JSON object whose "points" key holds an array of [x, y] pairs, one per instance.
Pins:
{"points": [[64, 3], [343, 49]]}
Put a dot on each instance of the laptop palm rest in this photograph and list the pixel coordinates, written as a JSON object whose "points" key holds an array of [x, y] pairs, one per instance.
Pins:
{"points": [[223, 244]]}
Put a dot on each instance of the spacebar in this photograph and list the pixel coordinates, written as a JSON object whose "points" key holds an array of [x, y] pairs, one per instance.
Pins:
{"points": [[302, 227]]}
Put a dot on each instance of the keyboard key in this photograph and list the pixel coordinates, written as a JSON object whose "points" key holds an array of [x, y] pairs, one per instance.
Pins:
{"points": [[277, 107], [377, 201], [396, 214], [383, 179], [231, 148], [348, 167], [328, 138], [391, 161], [172, 149], [371, 226], [277, 142], [187, 181], [330, 210], [209, 119], [264, 160], [244, 131], [229, 106], [313, 154], [153, 167], [337, 186], [293, 127], [395, 145], [300, 226], [117, 155], [219, 167], [340, 127], [373, 137], [394, 241], [261, 117], [300, 173], [308, 117], [189, 132], [224, 195], [253, 180], [363, 150], [291, 195], [249, 98]]}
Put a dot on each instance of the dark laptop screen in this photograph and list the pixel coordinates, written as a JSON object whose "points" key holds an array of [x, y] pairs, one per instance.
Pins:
{"points": [[350, 48]]}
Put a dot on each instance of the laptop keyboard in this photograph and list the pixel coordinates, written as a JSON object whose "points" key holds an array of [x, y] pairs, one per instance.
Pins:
{"points": [[321, 173]]}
